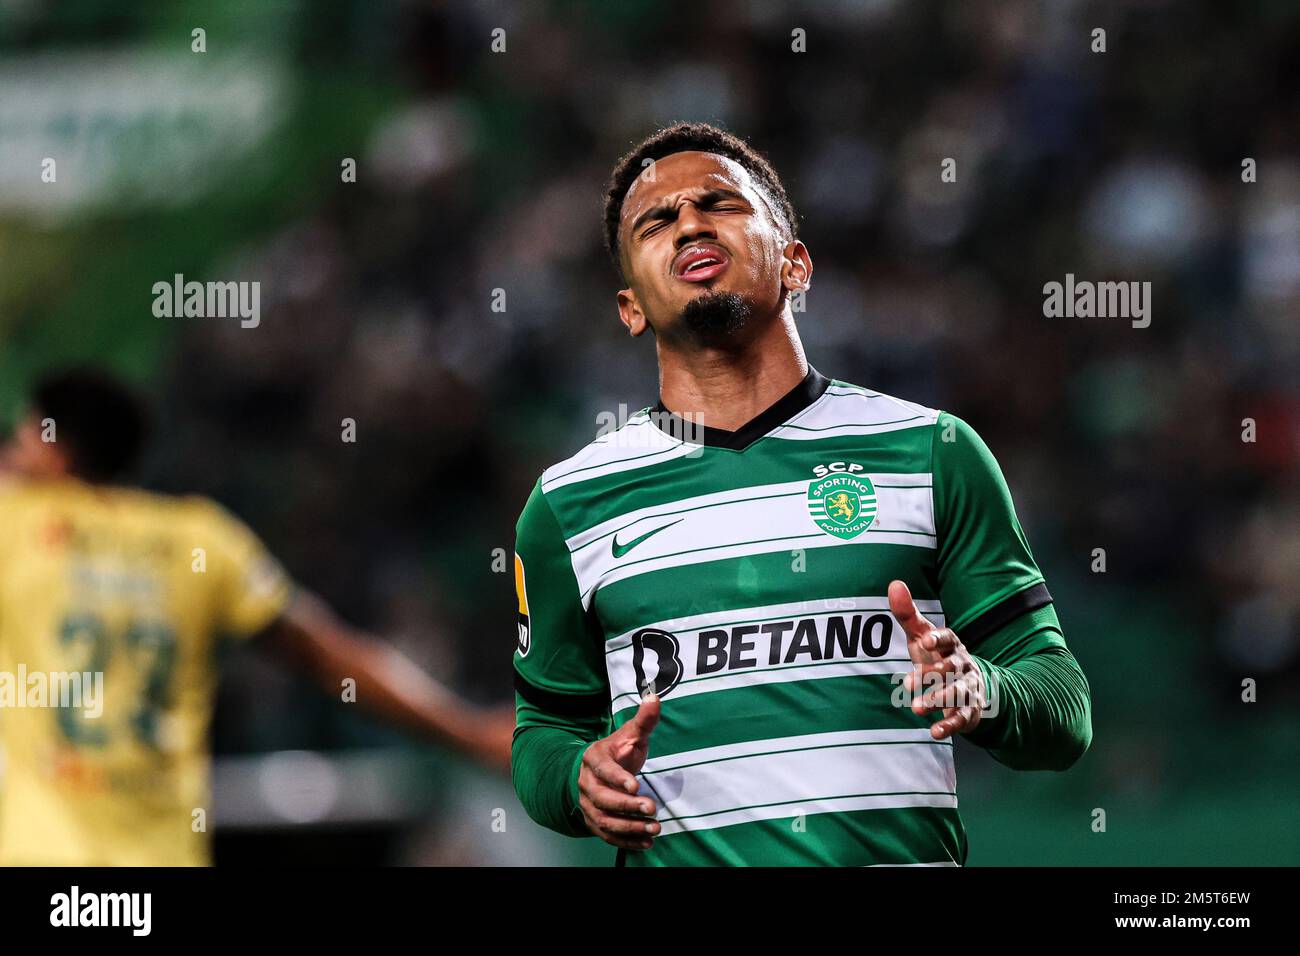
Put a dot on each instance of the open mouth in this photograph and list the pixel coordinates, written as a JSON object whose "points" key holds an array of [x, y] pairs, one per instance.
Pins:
{"points": [[700, 263]]}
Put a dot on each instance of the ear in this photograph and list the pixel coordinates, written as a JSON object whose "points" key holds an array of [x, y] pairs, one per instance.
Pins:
{"points": [[796, 267], [630, 314]]}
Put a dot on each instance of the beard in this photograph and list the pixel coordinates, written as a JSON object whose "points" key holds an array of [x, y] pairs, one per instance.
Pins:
{"points": [[716, 316]]}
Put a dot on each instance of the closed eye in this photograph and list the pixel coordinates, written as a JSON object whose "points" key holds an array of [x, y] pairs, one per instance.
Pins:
{"points": [[723, 200], [715, 200]]}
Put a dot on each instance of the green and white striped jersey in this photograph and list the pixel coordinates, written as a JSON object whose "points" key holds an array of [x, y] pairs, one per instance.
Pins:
{"points": [[743, 576]]}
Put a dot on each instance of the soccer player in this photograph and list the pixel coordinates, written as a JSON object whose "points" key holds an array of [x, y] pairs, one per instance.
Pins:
{"points": [[113, 602], [716, 600]]}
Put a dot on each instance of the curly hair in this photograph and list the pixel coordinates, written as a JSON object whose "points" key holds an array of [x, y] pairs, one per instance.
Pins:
{"points": [[101, 421], [683, 137]]}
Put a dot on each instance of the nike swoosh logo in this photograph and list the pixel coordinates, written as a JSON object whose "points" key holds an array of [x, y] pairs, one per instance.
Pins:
{"points": [[618, 550]]}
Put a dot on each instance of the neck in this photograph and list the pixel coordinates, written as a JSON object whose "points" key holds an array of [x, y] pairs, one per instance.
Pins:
{"points": [[726, 386]]}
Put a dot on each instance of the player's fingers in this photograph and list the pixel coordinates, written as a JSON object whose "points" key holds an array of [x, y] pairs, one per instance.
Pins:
{"points": [[621, 831], [611, 800], [607, 771], [956, 719], [904, 610], [915, 683], [632, 827], [628, 842], [914, 623], [599, 760], [643, 722], [953, 691], [937, 697], [625, 843], [940, 642], [932, 692], [917, 679]]}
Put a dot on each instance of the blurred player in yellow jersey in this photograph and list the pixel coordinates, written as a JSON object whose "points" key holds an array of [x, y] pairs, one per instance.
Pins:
{"points": [[113, 600]]}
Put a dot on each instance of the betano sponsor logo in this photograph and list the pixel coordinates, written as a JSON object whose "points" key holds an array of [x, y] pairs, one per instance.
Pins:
{"points": [[780, 650], [657, 654]]}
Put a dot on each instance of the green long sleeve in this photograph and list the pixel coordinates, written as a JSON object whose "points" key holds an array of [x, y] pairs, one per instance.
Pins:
{"points": [[1044, 717], [545, 757], [562, 694]]}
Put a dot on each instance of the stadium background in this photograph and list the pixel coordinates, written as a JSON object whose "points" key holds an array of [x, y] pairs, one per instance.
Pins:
{"points": [[480, 171]]}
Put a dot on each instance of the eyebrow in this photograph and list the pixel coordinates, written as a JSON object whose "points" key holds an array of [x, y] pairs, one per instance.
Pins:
{"points": [[667, 212]]}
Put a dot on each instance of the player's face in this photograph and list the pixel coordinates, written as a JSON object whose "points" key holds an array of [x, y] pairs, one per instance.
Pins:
{"points": [[695, 223]]}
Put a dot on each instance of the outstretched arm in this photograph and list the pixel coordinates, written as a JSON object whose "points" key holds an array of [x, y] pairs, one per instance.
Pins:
{"points": [[1023, 698], [1005, 678], [388, 683], [1045, 718]]}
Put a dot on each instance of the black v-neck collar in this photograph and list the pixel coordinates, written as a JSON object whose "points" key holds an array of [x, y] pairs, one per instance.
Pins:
{"points": [[785, 408]]}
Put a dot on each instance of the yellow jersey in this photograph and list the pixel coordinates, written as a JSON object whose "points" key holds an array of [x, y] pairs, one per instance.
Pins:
{"points": [[113, 602]]}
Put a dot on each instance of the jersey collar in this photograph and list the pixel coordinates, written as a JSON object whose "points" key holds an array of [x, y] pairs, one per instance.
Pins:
{"points": [[785, 408]]}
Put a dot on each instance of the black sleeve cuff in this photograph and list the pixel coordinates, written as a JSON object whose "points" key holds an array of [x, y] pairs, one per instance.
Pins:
{"points": [[1000, 615]]}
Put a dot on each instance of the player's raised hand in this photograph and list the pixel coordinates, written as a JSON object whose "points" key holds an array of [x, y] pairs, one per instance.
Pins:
{"points": [[607, 782], [944, 676]]}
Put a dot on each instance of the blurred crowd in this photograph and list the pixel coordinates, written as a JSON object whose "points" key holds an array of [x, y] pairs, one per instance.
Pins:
{"points": [[455, 301]]}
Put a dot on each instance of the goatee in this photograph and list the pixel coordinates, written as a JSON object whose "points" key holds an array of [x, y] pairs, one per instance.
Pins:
{"points": [[716, 316]]}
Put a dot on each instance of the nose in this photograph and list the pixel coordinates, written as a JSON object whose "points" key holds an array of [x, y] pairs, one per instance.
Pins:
{"points": [[692, 225]]}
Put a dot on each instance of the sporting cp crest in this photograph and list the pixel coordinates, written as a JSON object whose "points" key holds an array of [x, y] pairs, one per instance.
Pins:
{"points": [[842, 499]]}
